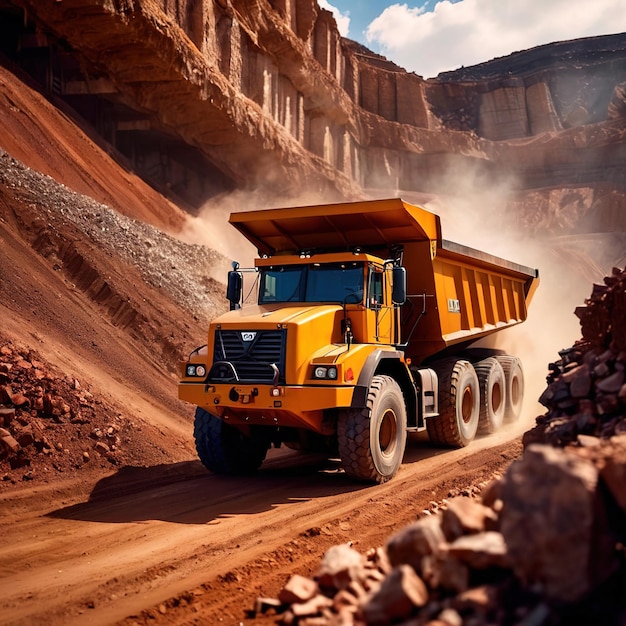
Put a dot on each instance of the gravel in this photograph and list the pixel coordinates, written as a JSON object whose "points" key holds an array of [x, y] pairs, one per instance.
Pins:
{"points": [[182, 270]]}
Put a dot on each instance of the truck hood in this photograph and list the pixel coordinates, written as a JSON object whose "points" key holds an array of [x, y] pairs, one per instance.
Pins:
{"points": [[272, 315]]}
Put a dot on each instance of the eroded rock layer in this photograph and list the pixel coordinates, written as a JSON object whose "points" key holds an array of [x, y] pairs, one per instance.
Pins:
{"points": [[270, 97]]}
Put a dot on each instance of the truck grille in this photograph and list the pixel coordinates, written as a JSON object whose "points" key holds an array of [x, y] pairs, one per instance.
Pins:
{"points": [[252, 358]]}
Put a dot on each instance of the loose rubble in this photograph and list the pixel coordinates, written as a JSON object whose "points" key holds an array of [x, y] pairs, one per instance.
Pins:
{"points": [[52, 425], [543, 545], [586, 393]]}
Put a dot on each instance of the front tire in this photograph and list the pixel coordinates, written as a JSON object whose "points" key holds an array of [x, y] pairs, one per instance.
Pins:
{"points": [[224, 449], [459, 404], [372, 440]]}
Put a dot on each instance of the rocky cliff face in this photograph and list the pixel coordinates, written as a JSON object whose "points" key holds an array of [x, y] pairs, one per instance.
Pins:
{"points": [[209, 96]]}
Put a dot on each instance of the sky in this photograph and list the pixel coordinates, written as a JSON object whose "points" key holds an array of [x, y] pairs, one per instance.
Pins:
{"points": [[432, 36]]}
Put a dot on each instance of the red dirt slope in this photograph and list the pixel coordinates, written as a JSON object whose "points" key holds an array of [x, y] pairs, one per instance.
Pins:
{"points": [[49, 141]]}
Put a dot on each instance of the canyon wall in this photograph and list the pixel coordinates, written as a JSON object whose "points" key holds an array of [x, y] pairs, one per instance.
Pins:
{"points": [[272, 99]]}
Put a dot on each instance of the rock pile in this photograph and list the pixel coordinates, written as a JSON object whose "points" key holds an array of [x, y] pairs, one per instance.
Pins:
{"points": [[50, 424], [586, 392], [543, 545]]}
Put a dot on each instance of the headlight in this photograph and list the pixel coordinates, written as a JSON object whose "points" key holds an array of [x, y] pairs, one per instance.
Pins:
{"points": [[193, 370], [320, 372], [323, 372]]}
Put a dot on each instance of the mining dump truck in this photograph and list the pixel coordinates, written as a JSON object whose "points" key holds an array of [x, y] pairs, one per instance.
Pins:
{"points": [[359, 332]]}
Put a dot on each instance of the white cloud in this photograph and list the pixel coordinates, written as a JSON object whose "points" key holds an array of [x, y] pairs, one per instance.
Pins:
{"points": [[472, 31], [342, 19]]}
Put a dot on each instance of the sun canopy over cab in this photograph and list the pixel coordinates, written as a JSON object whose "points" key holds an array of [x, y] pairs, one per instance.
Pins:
{"points": [[370, 225]]}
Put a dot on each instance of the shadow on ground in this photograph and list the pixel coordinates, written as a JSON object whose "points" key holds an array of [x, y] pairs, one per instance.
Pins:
{"points": [[186, 493]]}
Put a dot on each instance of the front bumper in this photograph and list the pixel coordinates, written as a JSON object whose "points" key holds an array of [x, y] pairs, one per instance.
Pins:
{"points": [[286, 406]]}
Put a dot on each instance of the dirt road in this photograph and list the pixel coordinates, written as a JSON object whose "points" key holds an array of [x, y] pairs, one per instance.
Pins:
{"points": [[211, 544]]}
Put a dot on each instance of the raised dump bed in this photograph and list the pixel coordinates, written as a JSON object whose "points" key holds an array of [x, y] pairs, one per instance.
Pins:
{"points": [[455, 294]]}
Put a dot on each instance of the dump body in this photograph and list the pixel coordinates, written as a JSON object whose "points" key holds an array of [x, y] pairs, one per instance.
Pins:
{"points": [[455, 294], [474, 295]]}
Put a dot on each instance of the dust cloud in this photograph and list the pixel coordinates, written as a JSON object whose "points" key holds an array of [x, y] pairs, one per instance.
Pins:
{"points": [[477, 212], [211, 227]]}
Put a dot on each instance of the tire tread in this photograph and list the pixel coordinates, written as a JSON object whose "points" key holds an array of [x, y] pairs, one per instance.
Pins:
{"points": [[353, 436], [444, 430], [222, 453]]}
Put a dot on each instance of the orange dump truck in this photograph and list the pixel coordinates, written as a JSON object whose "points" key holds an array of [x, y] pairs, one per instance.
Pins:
{"points": [[359, 332]]}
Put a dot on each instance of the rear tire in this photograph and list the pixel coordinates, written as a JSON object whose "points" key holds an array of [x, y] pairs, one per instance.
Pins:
{"points": [[372, 440], [492, 384], [224, 449], [459, 404], [514, 376]]}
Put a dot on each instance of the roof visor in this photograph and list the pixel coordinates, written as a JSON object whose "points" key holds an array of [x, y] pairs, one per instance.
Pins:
{"points": [[370, 225]]}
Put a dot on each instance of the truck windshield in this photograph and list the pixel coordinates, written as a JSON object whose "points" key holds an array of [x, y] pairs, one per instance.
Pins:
{"points": [[330, 282]]}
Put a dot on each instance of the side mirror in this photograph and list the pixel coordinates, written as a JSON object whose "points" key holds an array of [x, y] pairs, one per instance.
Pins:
{"points": [[233, 289], [398, 292]]}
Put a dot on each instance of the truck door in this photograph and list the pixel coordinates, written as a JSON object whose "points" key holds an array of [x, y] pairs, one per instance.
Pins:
{"points": [[379, 314]]}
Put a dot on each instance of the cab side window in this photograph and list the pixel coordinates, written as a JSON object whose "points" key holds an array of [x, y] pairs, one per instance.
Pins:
{"points": [[375, 292]]}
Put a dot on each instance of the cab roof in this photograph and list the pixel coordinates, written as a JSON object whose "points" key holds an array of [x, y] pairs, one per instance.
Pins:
{"points": [[369, 225]]}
